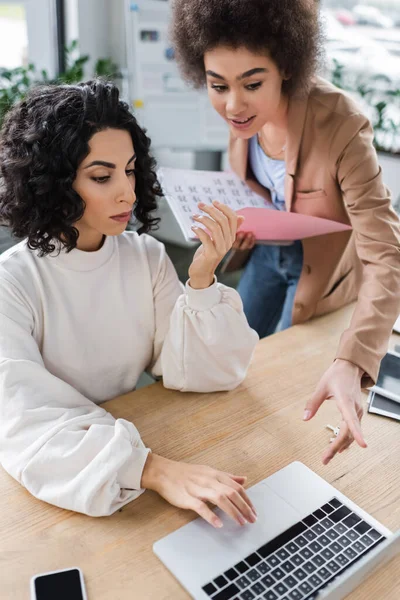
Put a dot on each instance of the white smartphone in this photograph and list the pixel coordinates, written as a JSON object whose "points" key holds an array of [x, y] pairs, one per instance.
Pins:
{"points": [[388, 383], [381, 405], [396, 326], [67, 584]]}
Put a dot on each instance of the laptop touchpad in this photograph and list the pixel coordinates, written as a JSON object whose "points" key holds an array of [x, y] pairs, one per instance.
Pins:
{"points": [[215, 550]]}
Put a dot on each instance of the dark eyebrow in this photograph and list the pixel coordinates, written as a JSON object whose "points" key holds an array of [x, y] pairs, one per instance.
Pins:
{"points": [[252, 72], [212, 74], [103, 163], [242, 76]]}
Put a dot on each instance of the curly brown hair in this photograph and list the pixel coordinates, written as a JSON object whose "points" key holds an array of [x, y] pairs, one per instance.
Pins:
{"points": [[43, 141], [288, 30]]}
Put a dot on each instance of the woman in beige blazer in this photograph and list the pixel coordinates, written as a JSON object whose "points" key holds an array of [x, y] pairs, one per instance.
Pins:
{"points": [[305, 146]]}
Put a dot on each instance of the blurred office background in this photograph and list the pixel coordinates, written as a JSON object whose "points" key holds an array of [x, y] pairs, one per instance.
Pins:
{"points": [[128, 40]]}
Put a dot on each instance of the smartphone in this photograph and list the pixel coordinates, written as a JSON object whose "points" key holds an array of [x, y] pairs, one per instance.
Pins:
{"points": [[388, 383], [59, 585], [380, 405]]}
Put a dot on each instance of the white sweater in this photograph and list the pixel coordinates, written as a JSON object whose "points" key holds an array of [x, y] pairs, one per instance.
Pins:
{"points": [[78, 329]]}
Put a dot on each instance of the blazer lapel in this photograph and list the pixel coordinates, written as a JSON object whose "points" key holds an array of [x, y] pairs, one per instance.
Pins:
{"points": [[296, 118]]}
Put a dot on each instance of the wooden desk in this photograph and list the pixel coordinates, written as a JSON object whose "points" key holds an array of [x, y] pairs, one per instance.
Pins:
{"points": [[254, 430]]}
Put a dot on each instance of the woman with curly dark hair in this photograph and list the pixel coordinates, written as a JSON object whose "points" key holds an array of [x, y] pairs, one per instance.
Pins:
{"points": [[305, 147], [86, 307]]}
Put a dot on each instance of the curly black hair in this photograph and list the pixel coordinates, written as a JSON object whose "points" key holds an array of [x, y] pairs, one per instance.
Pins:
{"points": [[288, 30], [43, 141]]}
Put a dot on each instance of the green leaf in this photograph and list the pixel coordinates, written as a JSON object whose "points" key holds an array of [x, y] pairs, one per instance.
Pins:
{"points": [[14, 83]]}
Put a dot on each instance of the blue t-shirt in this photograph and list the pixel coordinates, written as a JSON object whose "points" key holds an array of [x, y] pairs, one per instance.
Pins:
{"points": [[269, 172]]}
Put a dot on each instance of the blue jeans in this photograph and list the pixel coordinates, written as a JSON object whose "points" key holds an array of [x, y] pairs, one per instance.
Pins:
{"points": [[268, 286]]}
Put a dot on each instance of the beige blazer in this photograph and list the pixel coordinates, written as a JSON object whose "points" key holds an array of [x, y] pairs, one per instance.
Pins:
{"points": [[332, 172]]}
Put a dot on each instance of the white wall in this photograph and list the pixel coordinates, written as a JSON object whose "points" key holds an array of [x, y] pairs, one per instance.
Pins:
{"points": [[71, 14], [42, 34], [116, 16], [90, 22]]}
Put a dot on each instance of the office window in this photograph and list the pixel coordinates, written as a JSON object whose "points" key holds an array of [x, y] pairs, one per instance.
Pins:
{"points": [[363, 57], [363, 38], [13, 35], [28, 34]]}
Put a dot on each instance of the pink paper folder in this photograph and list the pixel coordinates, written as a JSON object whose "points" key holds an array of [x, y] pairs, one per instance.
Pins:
{"points": [[267, 224]]}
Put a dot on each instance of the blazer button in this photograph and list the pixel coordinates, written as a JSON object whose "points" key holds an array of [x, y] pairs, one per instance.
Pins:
{"points": [[307, 269], [298, 306]]}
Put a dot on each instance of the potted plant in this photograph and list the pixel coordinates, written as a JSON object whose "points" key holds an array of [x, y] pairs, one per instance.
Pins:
{"points": [[14, 83]]}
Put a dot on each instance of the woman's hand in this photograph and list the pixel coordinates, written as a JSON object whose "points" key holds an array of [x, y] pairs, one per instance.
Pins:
{"points": [[221, 223], [341, 382], [244, 241], [192, 486]]}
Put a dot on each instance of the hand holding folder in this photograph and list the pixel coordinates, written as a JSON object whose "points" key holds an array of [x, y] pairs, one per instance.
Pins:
{"points": [[184, 189]]}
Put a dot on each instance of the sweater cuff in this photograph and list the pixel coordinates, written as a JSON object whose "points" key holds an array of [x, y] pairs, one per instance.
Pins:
{"points": [[130, 475], [203, 299]]}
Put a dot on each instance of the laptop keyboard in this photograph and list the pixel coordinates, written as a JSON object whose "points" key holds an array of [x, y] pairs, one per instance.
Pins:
{"points": [[300, 561]]}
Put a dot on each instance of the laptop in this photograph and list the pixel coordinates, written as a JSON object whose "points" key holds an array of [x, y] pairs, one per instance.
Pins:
{"points": [[309, 542]]}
